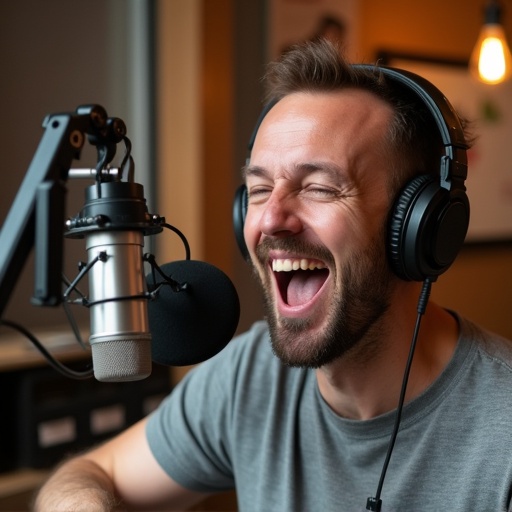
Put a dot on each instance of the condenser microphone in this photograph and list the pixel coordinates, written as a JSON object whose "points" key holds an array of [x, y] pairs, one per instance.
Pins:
{"points": [[120, 338], [113, 223], [195, 320], [182, 313]]}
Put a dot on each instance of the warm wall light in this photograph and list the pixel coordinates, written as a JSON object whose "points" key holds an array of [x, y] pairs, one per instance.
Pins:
{"points": [[491, 61]]}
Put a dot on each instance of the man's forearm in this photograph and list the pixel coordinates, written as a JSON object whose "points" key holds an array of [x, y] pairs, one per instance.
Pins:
{"points": [[78, 485]]}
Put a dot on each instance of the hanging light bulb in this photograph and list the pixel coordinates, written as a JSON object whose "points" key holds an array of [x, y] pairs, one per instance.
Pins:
{"points": [[491, 61]]}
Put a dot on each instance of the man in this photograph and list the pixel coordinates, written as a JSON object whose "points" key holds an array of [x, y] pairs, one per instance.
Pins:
{"points": [[309, 430]]}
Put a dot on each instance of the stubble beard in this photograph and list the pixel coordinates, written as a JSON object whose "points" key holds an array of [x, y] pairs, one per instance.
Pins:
{"points": [[353, 314]]}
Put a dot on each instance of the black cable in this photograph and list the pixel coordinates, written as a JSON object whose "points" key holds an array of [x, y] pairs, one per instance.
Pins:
{"points": [[183, 238], [375, 503], [126, 158], [57, 365]]}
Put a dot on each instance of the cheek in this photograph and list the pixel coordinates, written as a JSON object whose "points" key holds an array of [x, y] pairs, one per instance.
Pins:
{"points": [[348, 236], [338, 228], [366, 221]]}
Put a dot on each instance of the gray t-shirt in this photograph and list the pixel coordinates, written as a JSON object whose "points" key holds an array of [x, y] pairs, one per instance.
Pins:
{"points": [[243, 420]]}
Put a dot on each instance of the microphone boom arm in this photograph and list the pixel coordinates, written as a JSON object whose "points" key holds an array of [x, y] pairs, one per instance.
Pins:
{"points": [[113, 222], [62, 141]]}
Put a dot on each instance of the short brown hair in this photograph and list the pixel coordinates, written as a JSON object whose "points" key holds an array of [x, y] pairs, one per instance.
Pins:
{"points": [[318, 66]]}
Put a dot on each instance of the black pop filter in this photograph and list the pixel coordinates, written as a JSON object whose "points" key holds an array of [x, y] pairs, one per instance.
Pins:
{"points": [[191, 325]]}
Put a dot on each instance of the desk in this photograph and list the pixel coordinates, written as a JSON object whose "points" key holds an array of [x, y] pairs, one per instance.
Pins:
{"points": [[17, 488], [16, 352], [36, 401]]}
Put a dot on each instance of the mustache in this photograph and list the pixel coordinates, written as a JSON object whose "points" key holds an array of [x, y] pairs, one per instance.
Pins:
{"points": [[293, 245]]}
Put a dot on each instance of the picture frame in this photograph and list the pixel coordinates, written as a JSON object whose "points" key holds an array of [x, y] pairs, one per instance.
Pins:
{"points": [[489, 111]]}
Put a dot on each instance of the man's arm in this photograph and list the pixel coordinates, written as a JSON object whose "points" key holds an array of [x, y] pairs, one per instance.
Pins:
{"points": [[119, 474], [78, 485]]}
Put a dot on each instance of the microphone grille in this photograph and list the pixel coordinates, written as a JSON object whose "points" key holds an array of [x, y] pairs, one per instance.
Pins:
{"points": [[121, 358]]}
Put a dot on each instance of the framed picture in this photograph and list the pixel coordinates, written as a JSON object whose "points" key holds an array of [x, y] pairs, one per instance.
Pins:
{"points": [[489, 110]]}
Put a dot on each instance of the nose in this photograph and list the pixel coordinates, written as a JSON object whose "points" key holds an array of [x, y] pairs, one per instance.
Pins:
{"points": [[281, 215]]}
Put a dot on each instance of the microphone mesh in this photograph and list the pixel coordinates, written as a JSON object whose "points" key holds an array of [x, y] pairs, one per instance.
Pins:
{"points": [[121, 358]]}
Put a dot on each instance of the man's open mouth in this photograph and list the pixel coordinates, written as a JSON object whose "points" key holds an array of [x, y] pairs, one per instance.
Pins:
{"points": [[299, 279]]}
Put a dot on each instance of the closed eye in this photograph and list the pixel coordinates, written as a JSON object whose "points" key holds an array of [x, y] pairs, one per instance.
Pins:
{"points": [[258, 194], [322, 191]]}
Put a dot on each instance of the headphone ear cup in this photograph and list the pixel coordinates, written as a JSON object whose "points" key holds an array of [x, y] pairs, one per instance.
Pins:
{"points": [[239, 214], [427, 228]]}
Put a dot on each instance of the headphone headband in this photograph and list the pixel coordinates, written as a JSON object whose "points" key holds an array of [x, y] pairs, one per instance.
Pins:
{"points": [[445, 117]]}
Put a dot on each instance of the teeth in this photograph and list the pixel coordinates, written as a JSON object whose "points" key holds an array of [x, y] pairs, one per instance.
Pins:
{"points": [[287, 265]]}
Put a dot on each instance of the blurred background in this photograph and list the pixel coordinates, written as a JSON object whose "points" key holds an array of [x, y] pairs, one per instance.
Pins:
{"points": [[185, 77]]}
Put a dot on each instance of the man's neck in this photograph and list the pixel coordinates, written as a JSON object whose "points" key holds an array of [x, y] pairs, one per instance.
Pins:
{"points": [[362, 388]]}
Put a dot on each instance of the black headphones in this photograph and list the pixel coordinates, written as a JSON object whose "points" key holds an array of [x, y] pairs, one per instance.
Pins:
{"points": [[430, 217]]}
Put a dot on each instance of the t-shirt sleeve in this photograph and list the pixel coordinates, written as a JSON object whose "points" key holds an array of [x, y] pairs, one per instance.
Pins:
{"points": [[190, 433]]}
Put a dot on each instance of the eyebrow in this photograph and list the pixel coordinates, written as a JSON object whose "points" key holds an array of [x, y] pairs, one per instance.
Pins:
{"points": [[333, 171], [253, 170]]}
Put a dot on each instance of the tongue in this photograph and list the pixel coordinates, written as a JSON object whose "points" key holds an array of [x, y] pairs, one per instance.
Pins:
{"points": [[303, 286]]}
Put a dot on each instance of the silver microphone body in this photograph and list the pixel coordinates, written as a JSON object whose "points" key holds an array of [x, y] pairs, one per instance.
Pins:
{"points": [[120, 337]]}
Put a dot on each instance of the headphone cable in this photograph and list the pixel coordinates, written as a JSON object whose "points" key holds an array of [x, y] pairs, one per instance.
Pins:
{"points": [[375, 503]]}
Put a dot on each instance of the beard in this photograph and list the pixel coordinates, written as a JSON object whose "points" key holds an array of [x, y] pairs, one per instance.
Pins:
{"points": [[353, 313]]}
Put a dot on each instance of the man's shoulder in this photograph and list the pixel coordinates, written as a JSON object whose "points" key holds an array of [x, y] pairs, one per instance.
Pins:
{"points": [[489, 344]]}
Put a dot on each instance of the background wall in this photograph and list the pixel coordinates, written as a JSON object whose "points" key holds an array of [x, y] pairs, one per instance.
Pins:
{"points": [[56, 56], [433, 28]]}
